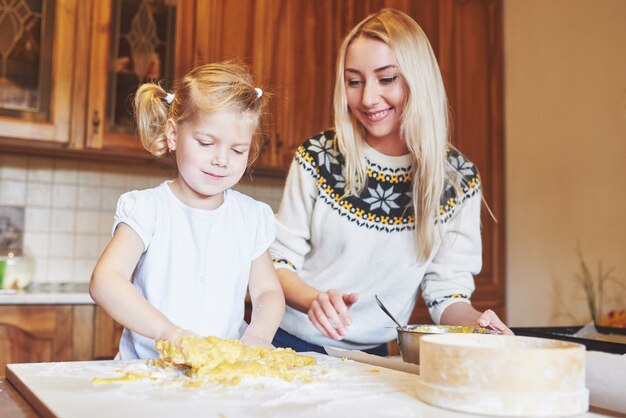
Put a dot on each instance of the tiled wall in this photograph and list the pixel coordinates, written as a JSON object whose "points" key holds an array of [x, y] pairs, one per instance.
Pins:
{"points": [[69, 207]]}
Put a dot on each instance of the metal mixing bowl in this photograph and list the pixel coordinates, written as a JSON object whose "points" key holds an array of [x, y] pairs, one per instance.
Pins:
{"points": [[409, 337]]}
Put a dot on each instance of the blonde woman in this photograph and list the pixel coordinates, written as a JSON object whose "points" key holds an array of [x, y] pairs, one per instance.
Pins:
{"points": [[184, 253], [381, 204]]}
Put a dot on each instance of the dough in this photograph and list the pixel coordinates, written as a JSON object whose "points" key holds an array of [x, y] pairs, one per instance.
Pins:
{"points": [[227, 361]]}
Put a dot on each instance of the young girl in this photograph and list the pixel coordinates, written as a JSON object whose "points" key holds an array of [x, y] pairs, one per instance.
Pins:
{"points": [[184, 253], [380, 205]]}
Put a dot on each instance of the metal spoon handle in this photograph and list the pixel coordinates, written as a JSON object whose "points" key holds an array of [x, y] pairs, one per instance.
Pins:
{"points": [[387, 312]]}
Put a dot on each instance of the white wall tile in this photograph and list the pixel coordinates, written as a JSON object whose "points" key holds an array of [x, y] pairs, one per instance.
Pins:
{"points": [[83, 269], [37, 244], [63, 220], [40, 170], [89, 197], [38, 194], [114, 178], [90, 173], [86, 246], [62, 245], [109, 199], [64, 196], [65, 172], [105, 223], [37, 219], [60, 270], [13, 192], [87, 221], [41, 270]]}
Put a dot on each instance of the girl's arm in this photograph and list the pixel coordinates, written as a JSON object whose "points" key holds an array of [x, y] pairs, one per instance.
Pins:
{"points": [[268, 302], [111, 288]]}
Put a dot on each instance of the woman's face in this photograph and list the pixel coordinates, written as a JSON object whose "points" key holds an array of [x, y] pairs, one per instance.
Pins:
{"points": [[376, 93], [211, 155]]}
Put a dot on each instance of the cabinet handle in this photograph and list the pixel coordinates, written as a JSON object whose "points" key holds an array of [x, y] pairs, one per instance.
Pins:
{"points": [[279, 142], [96, 121]]}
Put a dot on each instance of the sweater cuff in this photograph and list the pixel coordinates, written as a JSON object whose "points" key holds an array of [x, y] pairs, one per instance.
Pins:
{"points": [[281, 263]]}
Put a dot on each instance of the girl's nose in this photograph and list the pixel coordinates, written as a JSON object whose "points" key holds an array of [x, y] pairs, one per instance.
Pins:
{"points": [[220, 158], [371, 95]]}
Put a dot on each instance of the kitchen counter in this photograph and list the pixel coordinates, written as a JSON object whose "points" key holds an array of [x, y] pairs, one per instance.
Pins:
{"points": [[48, 294], [347, 389]]}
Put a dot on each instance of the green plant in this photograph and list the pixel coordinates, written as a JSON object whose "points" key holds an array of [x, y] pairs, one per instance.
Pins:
{"points": [[594, 286]]}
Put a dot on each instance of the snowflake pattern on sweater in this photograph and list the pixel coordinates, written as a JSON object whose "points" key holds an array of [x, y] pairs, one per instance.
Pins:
{"points": [[386, 201]]}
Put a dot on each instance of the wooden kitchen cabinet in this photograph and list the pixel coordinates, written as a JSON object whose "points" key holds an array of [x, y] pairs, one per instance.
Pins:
{"points": [[131, 42], [37, 56], [43, 333], [100, 51]]}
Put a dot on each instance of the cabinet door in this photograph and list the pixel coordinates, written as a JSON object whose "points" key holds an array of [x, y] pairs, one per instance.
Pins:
{"points": [[36, 69], [132, 42], [470, 55], [107, 335], [290, 47], [34, 333]]}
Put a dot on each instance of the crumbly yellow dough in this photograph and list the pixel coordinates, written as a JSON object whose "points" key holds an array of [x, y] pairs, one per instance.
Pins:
{"points": [[227, 361], [223, 361]]}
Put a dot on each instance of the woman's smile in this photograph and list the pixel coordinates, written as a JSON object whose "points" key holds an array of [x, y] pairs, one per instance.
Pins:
{"points": [[378, 115]]}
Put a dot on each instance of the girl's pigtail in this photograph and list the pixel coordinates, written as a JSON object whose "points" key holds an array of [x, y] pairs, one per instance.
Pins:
{"points": [[151, 113]]}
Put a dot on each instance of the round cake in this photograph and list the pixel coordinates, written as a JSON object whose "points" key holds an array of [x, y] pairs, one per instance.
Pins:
{"points": [[503, 375]]}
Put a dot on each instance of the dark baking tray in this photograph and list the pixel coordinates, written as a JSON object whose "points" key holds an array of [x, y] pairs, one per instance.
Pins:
{"points": [[566, 334]]}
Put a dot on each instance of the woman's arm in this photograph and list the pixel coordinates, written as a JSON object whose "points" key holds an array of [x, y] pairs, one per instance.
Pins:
{"points": [[268, 302], [110, 287]]}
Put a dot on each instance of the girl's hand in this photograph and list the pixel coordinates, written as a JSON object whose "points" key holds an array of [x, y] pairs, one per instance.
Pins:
{"points": [[174, 335], [489, 319], [329, 313]]}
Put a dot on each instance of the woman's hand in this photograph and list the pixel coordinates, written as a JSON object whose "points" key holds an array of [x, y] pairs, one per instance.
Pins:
{"points": [[465, 314], [329, 313], [489, 319]]}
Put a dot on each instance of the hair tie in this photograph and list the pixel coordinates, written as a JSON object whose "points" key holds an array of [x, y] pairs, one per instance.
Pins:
{"points": [[169, 98], [259, 92]]}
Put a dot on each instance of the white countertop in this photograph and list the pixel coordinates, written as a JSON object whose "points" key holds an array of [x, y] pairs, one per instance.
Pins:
{"points": [[339, 388], [47, 294]]}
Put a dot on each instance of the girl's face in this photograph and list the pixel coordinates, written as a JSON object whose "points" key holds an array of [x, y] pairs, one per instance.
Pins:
{"points": [[211, 155], [376, 93]]}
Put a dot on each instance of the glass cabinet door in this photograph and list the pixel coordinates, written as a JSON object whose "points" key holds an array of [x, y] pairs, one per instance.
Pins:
{"points": [[138, 47], [36, 42]]}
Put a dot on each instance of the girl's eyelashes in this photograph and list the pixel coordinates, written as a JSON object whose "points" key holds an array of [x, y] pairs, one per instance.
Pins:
{"points": [[239, 151], [354, 83], [205, 144]]}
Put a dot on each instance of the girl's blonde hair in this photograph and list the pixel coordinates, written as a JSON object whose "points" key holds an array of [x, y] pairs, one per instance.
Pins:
{"points": [[225, 85], [424, 119]]}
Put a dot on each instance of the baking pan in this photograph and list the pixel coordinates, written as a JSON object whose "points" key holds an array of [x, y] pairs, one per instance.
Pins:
{"points": [[567, 334]]}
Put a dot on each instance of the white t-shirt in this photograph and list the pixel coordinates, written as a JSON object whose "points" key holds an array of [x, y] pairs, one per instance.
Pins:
{"points": [[196, 263]]}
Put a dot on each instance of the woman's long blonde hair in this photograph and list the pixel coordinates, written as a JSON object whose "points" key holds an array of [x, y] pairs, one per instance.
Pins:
{"points": [[225, 85], [424, 119]]}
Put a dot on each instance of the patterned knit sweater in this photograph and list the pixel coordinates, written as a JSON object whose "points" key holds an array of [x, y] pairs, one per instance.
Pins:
{"points": [[366, 244]]}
